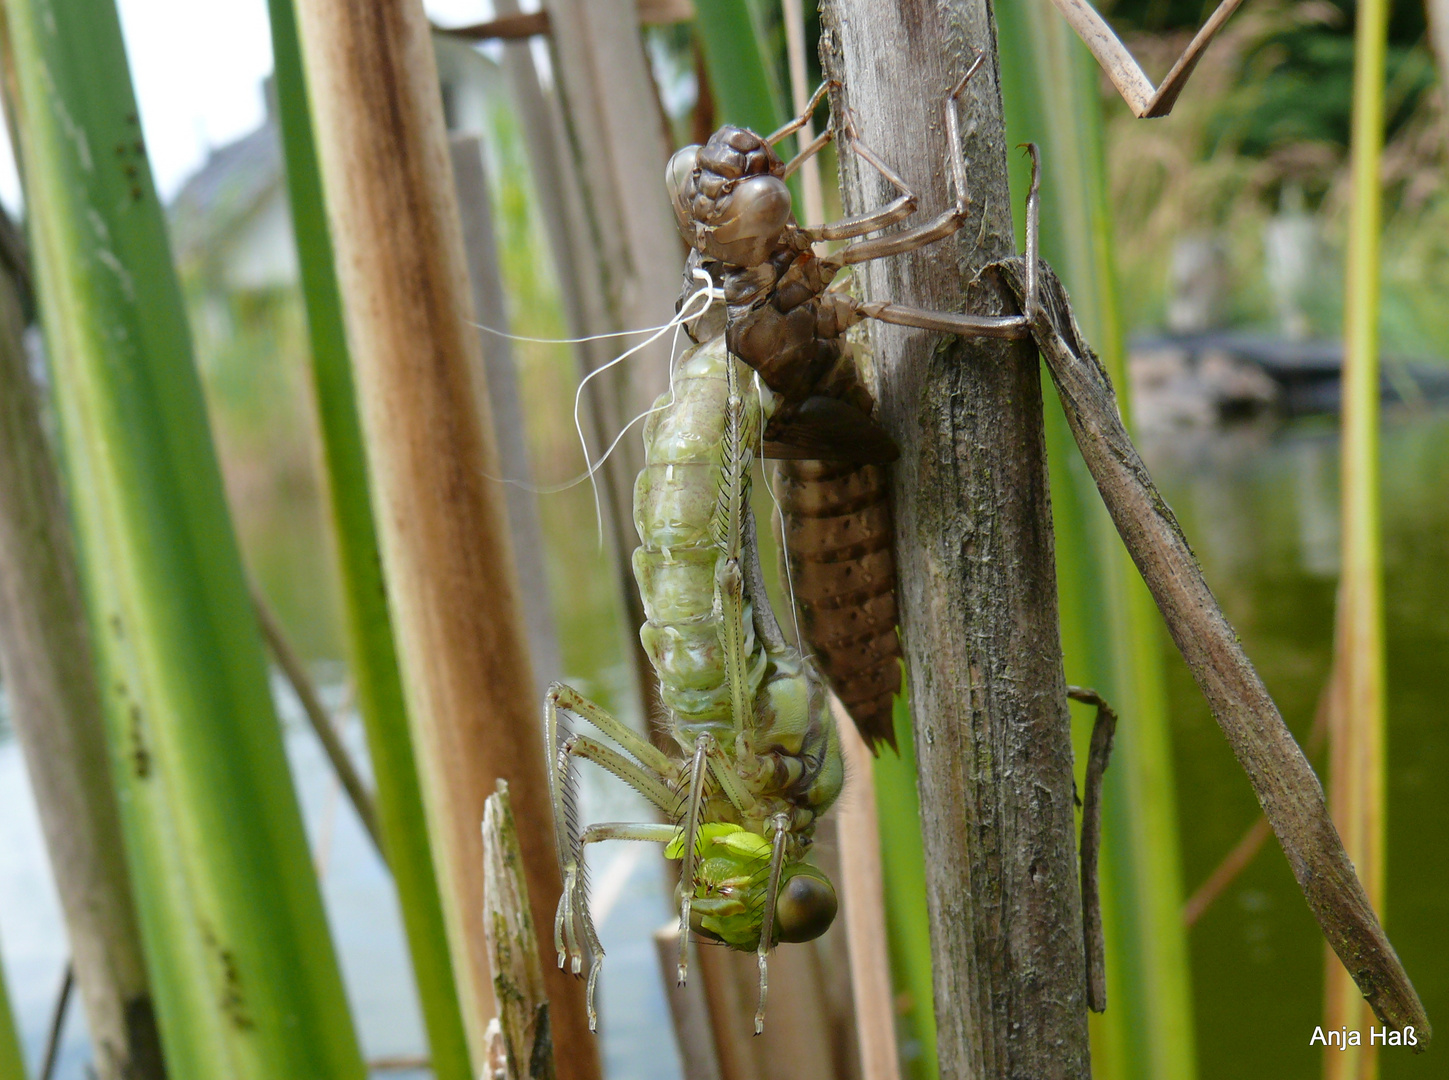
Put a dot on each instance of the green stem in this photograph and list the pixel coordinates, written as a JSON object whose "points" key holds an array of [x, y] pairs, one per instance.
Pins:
{"points": [[244, 973], [746, 92], [745, 89], [373, 655], [903, 862], [12, 1062], [1357, 726]]}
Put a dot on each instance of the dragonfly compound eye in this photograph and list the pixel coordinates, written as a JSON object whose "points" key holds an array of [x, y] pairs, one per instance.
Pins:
{"points": [[746, 222], [676, 177], [805, 907]]}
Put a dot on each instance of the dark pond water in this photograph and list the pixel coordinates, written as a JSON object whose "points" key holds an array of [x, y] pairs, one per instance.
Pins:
{"points": [[1261, 509]]}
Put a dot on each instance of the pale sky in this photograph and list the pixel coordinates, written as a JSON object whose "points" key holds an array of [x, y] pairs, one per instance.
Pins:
{"points": [[198, 66]]}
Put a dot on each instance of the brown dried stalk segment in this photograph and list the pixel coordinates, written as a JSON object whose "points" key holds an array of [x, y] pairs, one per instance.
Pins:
{"points": [[835, 526]]}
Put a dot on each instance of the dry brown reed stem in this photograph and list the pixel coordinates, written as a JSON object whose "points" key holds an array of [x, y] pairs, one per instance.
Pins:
{"points": [[974, 543], [617, 255], [1234, 863], [383, 150], [1126, 74], [863, 903], [633, 256], [519, 25], [500, 385], [814, 194], [1284, 782], [47, 666], [524, 1043], [57, 1024], [1104, 727], [801, 1039]]}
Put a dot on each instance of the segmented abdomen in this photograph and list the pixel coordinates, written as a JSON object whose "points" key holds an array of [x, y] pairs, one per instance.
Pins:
{"points": [[675, 499], [837, 539]]}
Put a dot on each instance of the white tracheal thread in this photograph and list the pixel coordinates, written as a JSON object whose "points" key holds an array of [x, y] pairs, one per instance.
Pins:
{"points": [[709, 294]]}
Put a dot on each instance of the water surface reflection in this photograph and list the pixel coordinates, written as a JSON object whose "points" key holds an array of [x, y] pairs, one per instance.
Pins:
{"points": [[1261, 509]]}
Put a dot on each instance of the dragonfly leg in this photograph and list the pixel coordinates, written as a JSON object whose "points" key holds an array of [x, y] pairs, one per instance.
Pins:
{"points": [[951, 322], [573, 910], [781, 825], [800, 121], [645, 781], [612, 830], [698, 769], [898, 209], [567, 698], [573, 903], [904, 204]]}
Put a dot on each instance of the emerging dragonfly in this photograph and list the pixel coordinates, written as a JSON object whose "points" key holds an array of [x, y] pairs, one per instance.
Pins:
{"points": [[759, 757]]}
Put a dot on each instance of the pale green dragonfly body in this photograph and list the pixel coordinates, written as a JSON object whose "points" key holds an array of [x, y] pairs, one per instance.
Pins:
{"points": [[759, 753]]}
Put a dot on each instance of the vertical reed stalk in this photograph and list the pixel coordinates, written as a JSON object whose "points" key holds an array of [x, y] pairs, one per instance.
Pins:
{"points": [[48, 668], [975, 555], [384, 161], [1357, 723], [628, 252], [560, 191], [745, 90], [1109, 625], [862, 886], [500, 383], [243, 970], [813, 203], [372, 652], [903, 863]]}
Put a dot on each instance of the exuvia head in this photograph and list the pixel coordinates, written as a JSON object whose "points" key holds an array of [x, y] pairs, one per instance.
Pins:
{"points": [[729, 196]]}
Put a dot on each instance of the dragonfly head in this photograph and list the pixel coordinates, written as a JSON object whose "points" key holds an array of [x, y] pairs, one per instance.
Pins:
{"points": [[729, 196], [731, 883], [806, 905]]}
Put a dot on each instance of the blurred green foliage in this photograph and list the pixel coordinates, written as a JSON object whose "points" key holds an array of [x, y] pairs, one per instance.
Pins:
{"points": [[1263, 132]]}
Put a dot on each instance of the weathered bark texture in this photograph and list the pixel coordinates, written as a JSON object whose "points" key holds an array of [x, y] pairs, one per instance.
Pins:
{"points": [[523, 1046], [974, 540], [386, 174], [48, 669], [1284, 782]]}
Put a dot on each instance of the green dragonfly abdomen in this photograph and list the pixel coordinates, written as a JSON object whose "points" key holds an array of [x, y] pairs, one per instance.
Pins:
{"points": [[760, 754], [675, 501]]}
